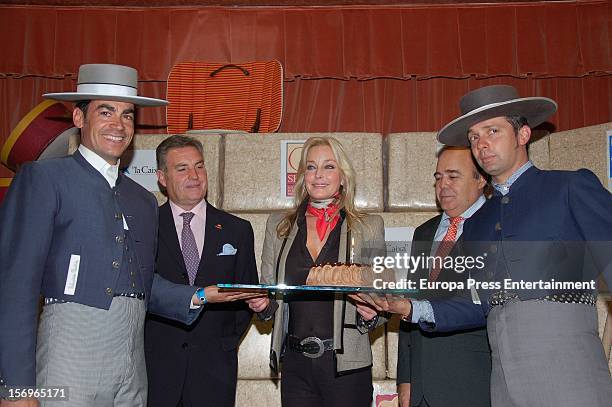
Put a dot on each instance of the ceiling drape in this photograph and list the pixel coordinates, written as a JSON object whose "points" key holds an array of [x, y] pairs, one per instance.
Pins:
{"points": [[371, 68]]}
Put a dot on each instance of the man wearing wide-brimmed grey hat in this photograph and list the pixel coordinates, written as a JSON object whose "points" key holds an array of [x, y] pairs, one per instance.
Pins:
{"points": [[84, 236], [539, 228]]}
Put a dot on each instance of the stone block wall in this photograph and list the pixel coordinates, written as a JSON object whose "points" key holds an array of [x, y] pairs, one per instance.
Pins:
{"points": [[394, 179]]}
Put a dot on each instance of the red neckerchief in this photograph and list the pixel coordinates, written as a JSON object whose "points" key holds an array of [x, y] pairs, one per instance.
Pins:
{"points": [[327, 218]]}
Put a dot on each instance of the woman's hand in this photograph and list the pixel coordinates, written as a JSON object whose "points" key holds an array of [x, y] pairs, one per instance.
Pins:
{"points": [[367, 312], [258, 304], [371, 300]]}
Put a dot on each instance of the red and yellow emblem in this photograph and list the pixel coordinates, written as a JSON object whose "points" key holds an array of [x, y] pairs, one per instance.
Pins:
{"points": [[34, 133]]}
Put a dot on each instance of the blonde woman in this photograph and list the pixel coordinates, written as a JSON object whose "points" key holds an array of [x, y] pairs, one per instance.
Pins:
{"points": [[322, 339]]}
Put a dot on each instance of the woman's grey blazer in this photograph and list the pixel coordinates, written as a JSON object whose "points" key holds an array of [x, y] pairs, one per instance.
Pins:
{"points": [[351, 342]]}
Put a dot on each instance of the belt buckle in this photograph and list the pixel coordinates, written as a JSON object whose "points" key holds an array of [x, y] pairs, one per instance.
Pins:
{"points": [[318, 341], [501, 298]]}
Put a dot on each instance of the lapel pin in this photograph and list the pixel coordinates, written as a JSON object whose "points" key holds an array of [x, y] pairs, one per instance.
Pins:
{"points": [[219, 226]]}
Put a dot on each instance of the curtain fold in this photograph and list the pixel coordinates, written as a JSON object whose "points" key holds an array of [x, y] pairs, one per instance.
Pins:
{"points": [[369, 68], [519, 39]]}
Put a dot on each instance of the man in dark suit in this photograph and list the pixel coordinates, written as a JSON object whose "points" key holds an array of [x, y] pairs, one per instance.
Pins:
{"points": [[83, 235], [201, 245], [433, 369], [551, 232]]}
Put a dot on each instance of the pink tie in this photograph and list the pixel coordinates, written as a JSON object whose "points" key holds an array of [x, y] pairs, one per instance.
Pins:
{"points": [[446, 245]]}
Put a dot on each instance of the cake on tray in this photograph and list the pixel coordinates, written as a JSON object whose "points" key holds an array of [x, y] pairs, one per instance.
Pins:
{"points": [[347, 275]]}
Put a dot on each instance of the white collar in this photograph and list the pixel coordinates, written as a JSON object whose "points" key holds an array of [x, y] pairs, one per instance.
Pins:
{"points": [[108, 171]]}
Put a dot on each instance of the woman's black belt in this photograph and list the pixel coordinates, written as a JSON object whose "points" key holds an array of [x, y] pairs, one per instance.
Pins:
{"points": [[311, 347]]}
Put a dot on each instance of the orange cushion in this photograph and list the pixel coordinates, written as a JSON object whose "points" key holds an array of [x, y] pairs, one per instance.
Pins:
{"points": [[228, 100]]}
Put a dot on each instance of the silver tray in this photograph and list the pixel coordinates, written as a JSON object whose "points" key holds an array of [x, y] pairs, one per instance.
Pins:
{"points": [[282, 288]]}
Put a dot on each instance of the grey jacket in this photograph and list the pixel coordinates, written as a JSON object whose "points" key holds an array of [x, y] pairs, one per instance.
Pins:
{"points": [[351, 342], [57, 209]]}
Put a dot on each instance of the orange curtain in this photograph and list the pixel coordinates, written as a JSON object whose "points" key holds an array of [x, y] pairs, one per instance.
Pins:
{"points": [[372, 68]]}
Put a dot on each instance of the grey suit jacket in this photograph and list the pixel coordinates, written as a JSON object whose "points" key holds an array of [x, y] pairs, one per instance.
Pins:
{"points": [[351, 342]]}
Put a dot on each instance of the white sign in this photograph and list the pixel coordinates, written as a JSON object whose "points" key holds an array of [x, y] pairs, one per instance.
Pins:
{"points": [[291, 151], [142, 168], [73, 274], [399, 240]]}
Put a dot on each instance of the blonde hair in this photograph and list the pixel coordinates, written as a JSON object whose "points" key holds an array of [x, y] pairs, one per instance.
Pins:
{"points": [[346, 200]]}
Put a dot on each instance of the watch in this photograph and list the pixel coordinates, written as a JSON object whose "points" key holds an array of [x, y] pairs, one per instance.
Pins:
{"points": [[201, 295]]}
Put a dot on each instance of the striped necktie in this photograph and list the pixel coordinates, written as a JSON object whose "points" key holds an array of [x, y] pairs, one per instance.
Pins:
{"points": [[445, 247]]}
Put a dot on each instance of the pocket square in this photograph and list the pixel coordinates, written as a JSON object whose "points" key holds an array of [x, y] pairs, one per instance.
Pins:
{"points": [[228, 250]]}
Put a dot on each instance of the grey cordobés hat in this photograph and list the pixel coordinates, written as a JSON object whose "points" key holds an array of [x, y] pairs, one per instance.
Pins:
{"points": [[107, 82], [494, 101]]}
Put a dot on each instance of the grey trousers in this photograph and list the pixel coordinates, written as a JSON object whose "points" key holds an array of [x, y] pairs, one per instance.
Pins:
{"points": [[97, 354], [547, 354]]}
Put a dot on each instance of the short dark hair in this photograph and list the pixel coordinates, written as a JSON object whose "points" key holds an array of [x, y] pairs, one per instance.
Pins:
{"points": [[175, 141], [517, 122], [82, 105]]}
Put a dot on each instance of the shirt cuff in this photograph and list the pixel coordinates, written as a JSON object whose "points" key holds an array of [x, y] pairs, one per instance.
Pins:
{"points": [[192, 306], [422, 311]]}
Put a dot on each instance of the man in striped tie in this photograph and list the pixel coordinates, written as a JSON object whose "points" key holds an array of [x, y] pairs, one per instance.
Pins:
{"points": [[437, 370], [450, 369]]}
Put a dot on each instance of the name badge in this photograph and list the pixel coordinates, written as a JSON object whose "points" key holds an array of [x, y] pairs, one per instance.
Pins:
{"points": [[73, 274]]}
